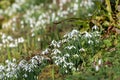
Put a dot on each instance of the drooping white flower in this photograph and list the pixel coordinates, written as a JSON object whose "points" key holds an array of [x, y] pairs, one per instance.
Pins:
{"points": [[73, 33], [82, 49], [94, 27], [53, 16], [67, 55], [33, 34], [76, 55], [55, 44], [1, 68], [14, 60], [90, 42], [87, 35], [66, 71], [86, 3], [100, 61], [25, 75], [75, 6], [10, 38], [20, 40], [56, 51], [12, 45], [3, 36], [46, 51], [96, 67], [38, 39], [70, 47]]}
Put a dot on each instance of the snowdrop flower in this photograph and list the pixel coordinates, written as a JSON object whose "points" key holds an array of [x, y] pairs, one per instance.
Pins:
{"points": [[10, 38], [89, 14], [67, 55], [22, 63], [38, 59], [90, 42], [66, 71], [96, 33], [25, 75], [53, 16], [82, 50], [73, 69], [31, 25], [75, 6], [3, 36], [29, 66], [63, 41], [34, 61], [76, 55], [96, 67], [87, 35], [7, 61], [94, 27], [64, 66], [70, 47], [13, 29], [1, 68], [11, 45], [8, 75], [20, 40], [55, 44], [22, 26], [72, 34], [62, 59], [97, 41], [38, 23], [56, 62], [14, 19], [70, 65], [21, 22], [46, 51], [33, 34], [50, 6], [5, 41], [56, 51], [14, 60], [16, 6], [86, 3], [99, 61]]}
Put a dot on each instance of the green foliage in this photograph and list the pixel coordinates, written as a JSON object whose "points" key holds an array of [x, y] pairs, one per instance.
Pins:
{"points": [[89, 53]]}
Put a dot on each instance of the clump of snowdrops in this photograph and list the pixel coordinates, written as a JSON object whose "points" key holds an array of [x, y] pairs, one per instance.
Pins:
{"points": [[24, 70], [74, 50]]}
